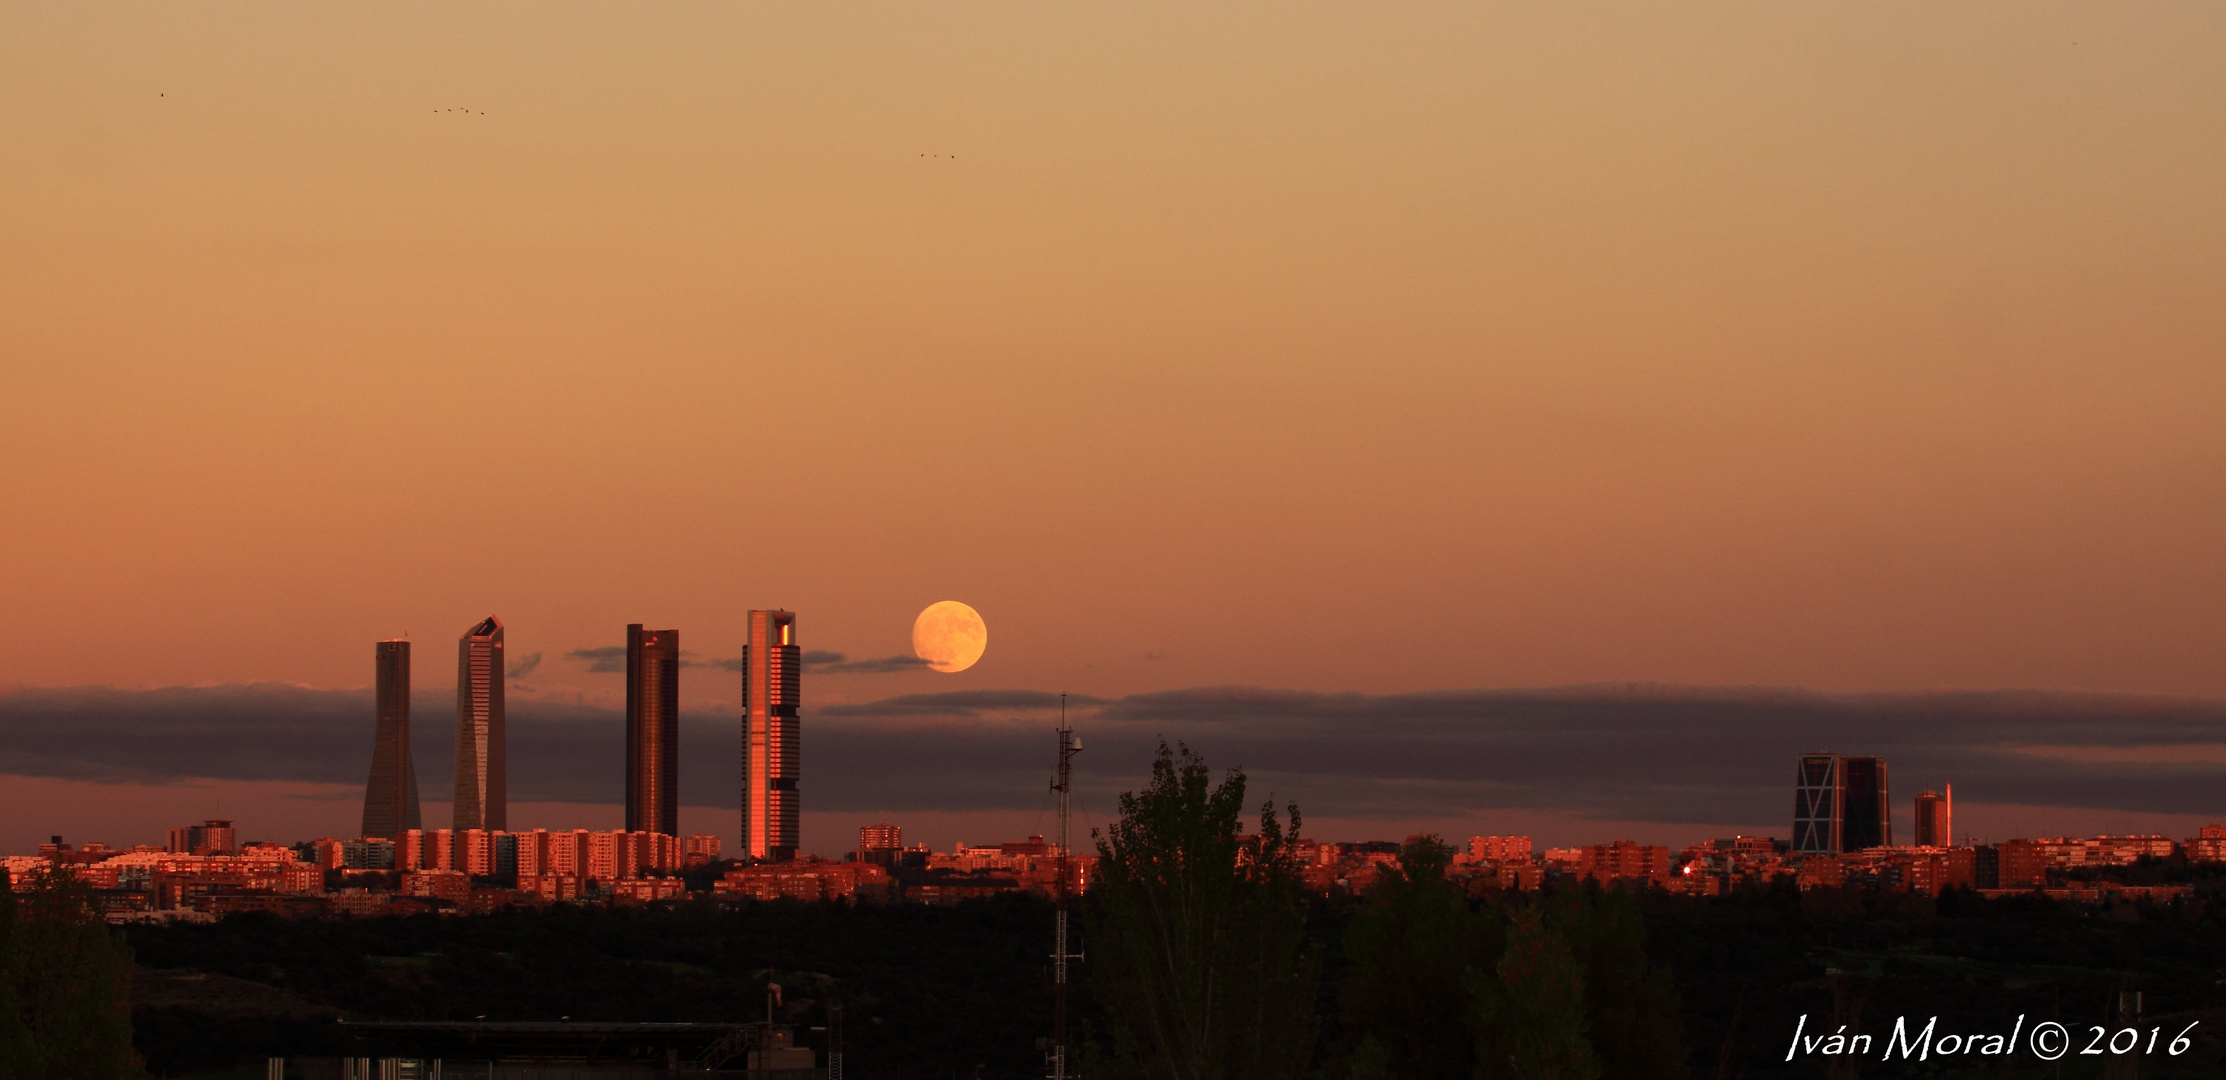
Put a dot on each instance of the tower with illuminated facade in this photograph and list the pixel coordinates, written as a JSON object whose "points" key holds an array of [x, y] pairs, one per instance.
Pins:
{"points": [[1840, 805], [652, 730], [770, 664], [481, 775], [390, 795], [1936, 818]]}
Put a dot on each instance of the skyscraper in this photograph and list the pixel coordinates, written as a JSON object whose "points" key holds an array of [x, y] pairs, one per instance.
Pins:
{"points": [[1840, 804], [652, 730], [769, 751], [1936, 818], [390, 795], [482, 780]]}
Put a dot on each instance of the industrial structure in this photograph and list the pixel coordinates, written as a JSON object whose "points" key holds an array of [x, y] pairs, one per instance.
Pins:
{"points": [[1070, 744]]}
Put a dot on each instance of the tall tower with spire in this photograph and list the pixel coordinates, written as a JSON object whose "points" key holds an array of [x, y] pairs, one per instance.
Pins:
{"points": [[770, 666], [481, 776]]}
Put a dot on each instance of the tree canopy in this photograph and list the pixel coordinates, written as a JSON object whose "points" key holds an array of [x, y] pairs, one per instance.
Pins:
{"points": [[65, 985], [1197, 933]]}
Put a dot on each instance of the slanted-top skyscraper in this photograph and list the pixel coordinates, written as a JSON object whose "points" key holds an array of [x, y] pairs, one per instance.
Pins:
{"points": [[652, 730], [390, 796], [1840, 805], [770, 663], [481, 776]]}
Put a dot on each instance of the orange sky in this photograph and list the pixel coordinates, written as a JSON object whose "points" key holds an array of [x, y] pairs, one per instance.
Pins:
{"points": [[1318, 346]]}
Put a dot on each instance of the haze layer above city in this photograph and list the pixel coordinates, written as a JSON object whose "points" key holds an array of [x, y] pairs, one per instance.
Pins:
{"points": [[1478, 421]]}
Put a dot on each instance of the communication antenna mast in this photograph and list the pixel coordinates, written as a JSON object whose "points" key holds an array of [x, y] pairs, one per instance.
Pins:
{"points": [[1069, 745]]}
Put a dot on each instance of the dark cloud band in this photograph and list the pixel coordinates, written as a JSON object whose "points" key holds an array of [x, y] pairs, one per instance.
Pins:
{"points": [[1642, 753]]}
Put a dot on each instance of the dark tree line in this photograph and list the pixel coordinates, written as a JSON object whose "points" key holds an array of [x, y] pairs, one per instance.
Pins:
{"points": [[65, 985], [1200, 965], [1205, 961], [1204, 968], [928, 992]]}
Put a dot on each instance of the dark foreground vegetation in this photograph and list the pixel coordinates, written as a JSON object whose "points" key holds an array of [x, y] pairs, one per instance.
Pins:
{"points": [[1205, 962], [927, 991], [953, 992], [963, 991]]}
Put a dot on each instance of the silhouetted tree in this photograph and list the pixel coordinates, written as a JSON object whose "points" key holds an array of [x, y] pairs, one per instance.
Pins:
{"points": [[1197, 937], [65, 985], [1411, 949], [1634, 1014], [1531, 1021], [15, 1035]]}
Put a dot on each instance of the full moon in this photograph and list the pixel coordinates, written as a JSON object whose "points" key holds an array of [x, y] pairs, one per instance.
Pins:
{"points": [[950, 636]]}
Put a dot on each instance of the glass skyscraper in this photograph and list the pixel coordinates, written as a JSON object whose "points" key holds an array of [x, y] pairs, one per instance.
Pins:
{"points": [[770, 665], [481, 774], [390, 795], [1840, 805], [652, 730]]}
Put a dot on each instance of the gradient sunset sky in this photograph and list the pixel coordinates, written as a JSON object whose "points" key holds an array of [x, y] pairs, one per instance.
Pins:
{"points": [[1323, 348]]}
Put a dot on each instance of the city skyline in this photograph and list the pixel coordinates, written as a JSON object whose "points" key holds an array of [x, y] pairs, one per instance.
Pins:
{"points": [[964, 766], [1669, 454]]}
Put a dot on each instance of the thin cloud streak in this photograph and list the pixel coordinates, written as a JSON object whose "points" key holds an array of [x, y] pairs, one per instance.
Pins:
{"points": [[601, 660], [823, 662], [878, 665], [957, 704], [612, 658]]}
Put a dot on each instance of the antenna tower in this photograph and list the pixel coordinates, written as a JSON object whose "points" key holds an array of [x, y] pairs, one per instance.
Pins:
{"points": [[1069, 746]]}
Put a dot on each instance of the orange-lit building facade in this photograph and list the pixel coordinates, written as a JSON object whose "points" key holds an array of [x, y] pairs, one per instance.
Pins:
{"points": [[771, 676], [482, 777], [1499, 848], [1935, 818], [2208, 845], [1624, 860], [808, 880], [881, 843], [214, 836], [700, 849]]}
